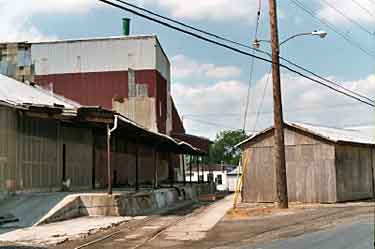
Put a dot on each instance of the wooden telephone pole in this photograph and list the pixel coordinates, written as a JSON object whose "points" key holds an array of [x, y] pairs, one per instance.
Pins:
{"points": [[279, 149]]}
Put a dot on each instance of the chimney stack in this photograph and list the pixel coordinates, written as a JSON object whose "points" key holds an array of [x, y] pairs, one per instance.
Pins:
{"points": [[126, 26]]}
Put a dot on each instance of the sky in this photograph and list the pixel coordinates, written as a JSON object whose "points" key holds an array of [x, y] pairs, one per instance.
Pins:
{"points": [[210, 83]]}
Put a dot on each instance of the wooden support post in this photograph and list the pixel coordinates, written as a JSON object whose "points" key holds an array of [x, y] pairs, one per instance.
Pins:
{"points": [[136, 167], [93, 177], [156, 164], [109, 170], [171, 171], [183, 169], [191, 169], [197, 165], [279, 147]]}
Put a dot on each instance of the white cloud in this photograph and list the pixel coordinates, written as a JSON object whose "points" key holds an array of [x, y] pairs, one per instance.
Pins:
{"points": [[349, 8], [15, 16], [210, 9], [183, 67], [212, 108]]}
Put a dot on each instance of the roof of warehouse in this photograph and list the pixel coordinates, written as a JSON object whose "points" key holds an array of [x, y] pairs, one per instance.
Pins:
{"points": [[128, 37], [333, 134], [19, 94]]}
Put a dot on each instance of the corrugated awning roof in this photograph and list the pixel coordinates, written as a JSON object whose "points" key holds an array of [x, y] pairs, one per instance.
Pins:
{"points": [[349, 135], [18, 94]]}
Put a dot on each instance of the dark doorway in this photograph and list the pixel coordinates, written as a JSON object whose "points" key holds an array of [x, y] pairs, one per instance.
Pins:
{"points": [[64, 163]]}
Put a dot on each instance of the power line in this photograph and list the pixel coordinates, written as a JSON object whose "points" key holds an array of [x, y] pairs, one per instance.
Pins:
{"points": [[363, 8], [372, 103], [332, 27], [303, 109], [239, 44], [184, 24], [217, 125], [363, 28], [262, 100], [252, 66]]}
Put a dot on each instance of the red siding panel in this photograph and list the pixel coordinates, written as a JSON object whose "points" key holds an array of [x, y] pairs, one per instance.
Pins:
{"points": [[98, 88], [161, 102]]}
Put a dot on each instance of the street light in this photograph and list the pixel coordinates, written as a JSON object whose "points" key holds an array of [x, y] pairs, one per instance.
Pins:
{"points": [[321, 33]]}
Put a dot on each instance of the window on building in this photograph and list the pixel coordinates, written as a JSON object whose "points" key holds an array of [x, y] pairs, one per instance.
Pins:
{"points": [[219, 179]]}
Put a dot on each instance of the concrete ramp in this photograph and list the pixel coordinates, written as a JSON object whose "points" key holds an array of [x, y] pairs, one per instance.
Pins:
{"points": [[28, 208]]}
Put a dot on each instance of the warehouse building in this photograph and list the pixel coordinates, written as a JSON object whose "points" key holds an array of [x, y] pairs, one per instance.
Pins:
{"points": [[127, 74], [324, 164], [38, 148], [47, 140]]}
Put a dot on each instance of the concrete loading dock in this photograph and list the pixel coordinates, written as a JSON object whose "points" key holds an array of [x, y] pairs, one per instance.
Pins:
{"points": [[324, 165]]}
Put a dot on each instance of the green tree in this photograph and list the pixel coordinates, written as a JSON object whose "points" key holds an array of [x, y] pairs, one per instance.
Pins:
{"points": [[222, 150]]}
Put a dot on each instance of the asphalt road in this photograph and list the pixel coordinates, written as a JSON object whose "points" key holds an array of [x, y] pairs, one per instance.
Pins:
{"points": [[355, 235]]}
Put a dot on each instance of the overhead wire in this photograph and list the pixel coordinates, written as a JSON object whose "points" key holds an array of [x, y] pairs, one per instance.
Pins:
{"points": [[363, 8], [299, 109], [251, 73], [262, 100], [190, 33], [352, 20], [220, 37], [215, 124], [333, 28]]}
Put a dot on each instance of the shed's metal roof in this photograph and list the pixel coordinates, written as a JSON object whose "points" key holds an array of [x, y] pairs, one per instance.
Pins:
{"points": [[333, 134], [19, 94]]}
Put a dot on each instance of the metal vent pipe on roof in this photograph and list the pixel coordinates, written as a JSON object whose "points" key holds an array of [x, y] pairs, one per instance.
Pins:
{"points": [[126, 26]]}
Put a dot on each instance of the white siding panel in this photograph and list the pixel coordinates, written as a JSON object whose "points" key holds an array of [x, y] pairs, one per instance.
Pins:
{"points": [[163, 65], [94, 55]]}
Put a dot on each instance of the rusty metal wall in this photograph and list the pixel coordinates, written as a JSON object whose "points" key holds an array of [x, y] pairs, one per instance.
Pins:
{"points": [[310, 170], [31, 153], [38, 157], [7, 149], [353, 172], [79, 158], [123, 163], [15, 61]]}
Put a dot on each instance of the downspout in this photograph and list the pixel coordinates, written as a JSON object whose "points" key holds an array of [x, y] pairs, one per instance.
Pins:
{"points": [[373, 188], [109, 133]]}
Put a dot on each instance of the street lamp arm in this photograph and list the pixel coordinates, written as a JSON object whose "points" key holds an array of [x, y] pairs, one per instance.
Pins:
{"points": [[294, 36], [319, 33]]}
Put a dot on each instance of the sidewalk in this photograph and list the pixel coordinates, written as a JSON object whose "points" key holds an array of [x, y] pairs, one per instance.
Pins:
{"points": [[195, 227]]}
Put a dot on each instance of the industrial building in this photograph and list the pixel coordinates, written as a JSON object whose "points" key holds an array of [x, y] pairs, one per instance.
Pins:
{"points": [[46, 139], [324, 165], [126, 74]]}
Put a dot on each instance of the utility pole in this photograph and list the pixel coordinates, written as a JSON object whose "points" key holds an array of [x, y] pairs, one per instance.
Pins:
{"points": [[279, 148]]}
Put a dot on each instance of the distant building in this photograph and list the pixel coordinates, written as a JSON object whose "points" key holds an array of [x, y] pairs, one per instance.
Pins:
{"points": [[323, 164], [212, 172], [232, 178]]}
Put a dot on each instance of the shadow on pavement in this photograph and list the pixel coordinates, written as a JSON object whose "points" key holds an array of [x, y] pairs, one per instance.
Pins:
{"points": [[21, 247]]}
